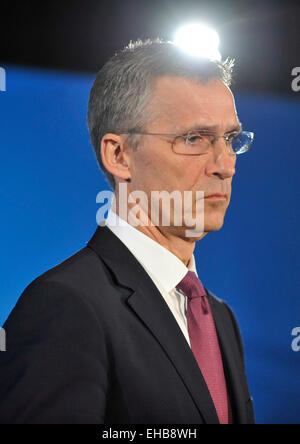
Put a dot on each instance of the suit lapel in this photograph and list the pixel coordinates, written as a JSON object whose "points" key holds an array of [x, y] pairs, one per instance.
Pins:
{"points": [[148, 304], [151, 308]]}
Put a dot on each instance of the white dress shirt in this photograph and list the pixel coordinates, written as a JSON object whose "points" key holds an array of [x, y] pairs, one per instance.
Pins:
{"points": [[165, 269]]}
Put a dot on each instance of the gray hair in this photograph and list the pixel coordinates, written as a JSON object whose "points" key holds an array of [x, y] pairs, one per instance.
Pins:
{"points": [[122, 89]]}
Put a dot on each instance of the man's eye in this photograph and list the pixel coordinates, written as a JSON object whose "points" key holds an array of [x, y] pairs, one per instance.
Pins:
{"points": [[231, 136], [193, 138]]}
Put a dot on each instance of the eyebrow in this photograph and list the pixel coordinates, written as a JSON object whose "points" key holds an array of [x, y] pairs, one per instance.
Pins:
{"points": [[212, 128]]}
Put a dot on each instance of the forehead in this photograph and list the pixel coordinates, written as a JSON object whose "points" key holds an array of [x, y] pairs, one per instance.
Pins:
{"points": [[179, 103]]}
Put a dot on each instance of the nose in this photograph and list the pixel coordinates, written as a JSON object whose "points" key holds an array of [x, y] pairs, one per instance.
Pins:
{"points": [[221, 161]]}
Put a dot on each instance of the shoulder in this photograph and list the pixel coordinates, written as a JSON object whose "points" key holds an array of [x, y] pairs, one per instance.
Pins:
{"points": [[71, 287], [75, 272]]}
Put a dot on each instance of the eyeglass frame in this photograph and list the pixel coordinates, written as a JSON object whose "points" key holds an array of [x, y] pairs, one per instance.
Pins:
{"points": [[185, 136]]}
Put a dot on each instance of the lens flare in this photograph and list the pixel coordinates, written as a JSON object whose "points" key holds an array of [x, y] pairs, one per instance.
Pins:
{"points": [[199, 41]]}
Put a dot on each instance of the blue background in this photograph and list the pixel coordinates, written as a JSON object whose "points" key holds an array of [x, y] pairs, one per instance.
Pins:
{"points": [[50, 179]]}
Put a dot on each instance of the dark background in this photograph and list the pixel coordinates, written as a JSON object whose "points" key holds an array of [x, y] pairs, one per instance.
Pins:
{"points": [[263, 36], [49, 178]]}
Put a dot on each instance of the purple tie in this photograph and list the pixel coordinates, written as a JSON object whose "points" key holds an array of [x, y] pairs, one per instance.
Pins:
{"points": [[205, 345]]}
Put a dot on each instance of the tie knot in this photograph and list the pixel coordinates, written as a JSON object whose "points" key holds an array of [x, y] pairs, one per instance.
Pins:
{"points": [[191, 286]]}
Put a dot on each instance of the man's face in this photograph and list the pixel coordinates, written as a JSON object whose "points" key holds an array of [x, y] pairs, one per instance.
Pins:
{"points": [[180, 105]]}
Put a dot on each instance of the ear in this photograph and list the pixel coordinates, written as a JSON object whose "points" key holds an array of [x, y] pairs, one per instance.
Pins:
{"points": [[115, 157]]}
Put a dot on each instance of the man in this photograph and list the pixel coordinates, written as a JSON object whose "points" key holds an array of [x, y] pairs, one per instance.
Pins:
{"points": [[124, 331]]}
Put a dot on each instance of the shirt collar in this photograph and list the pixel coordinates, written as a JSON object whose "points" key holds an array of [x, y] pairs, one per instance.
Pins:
{"points": [[163, 265]]}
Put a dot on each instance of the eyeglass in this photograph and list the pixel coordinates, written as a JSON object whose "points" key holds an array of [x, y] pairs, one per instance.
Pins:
{"points": [[198, 142]]}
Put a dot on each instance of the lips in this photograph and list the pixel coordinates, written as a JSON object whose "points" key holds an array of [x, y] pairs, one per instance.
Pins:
{"points": [[217, 195]]}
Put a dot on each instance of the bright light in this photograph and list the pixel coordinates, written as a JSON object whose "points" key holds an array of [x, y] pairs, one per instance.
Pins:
{"points": [[198, 40]]}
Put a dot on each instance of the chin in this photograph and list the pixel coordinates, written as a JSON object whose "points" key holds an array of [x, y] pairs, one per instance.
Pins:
{"points": [[214, 224]]}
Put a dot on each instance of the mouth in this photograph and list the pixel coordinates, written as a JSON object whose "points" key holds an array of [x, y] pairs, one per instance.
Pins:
{"points": [[216, 196]]}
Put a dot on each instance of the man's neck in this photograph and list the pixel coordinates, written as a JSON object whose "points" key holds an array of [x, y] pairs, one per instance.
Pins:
{"points": [[168, 237], [180, 247]]}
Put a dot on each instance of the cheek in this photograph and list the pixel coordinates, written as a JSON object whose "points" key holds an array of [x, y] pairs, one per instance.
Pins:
{"points": [[147, 170], [191, 172], [163, 170], [183, 174]]}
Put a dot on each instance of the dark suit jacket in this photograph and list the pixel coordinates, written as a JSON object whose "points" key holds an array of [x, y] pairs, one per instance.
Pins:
{"points": [[93, 341]]}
